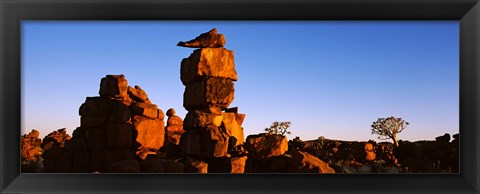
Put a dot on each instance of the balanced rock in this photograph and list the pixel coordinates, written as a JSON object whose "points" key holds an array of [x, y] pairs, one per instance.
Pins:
{"points": [[209, 92], [208, 62], [266, 145], [303, 162], [209, 39], [114, 86], [174, 122]]}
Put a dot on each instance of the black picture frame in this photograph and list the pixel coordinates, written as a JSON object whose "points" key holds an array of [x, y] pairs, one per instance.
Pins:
{"points": [[12, 12]]}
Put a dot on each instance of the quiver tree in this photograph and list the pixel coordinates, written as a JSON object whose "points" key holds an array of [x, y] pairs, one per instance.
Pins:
{"points": [[388, 128], [278, 128]]}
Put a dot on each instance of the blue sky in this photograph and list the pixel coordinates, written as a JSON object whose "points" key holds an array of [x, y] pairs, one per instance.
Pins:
{"points": [[330, 79]]}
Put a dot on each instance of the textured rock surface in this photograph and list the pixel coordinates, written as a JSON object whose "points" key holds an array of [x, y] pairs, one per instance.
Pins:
{"points": [[232, 127], [31, 146], [208, 62], [137, 94], [264, 146], [209, 39], [150, 132], [211, 92]]}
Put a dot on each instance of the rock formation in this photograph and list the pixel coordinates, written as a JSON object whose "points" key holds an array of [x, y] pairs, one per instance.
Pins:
{"points": [[213, 130], [31, 146], [118, 129]]}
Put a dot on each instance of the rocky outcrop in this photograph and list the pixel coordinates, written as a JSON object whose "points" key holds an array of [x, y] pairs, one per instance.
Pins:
{"points": [[117, 128], [440, 155], [211, 135], [56, 158], [31, 148]]}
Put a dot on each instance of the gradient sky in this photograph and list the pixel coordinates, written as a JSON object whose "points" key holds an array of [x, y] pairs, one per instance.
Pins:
{"points": [[330, 79]]}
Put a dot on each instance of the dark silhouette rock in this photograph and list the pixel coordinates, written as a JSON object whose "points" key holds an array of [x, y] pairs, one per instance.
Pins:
{"points": [[114, 86], [125, 166]]}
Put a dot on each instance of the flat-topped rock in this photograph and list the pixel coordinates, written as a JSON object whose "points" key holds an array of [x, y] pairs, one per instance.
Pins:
{"points": [[209, 39], [208, 62]]}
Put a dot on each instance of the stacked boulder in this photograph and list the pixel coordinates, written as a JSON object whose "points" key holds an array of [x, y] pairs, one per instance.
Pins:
{"points": [[115, 128], [173, 133], [370, 154], [213, 130]]}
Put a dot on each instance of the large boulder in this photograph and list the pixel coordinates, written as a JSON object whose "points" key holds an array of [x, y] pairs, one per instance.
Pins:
{"points": [[303, 162], [205, 142], [114, 86], [209, 39], [137, 94], [150, 132], [96, 107], [208, 62], [120, 112], [209, 92], [264, 145]]}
